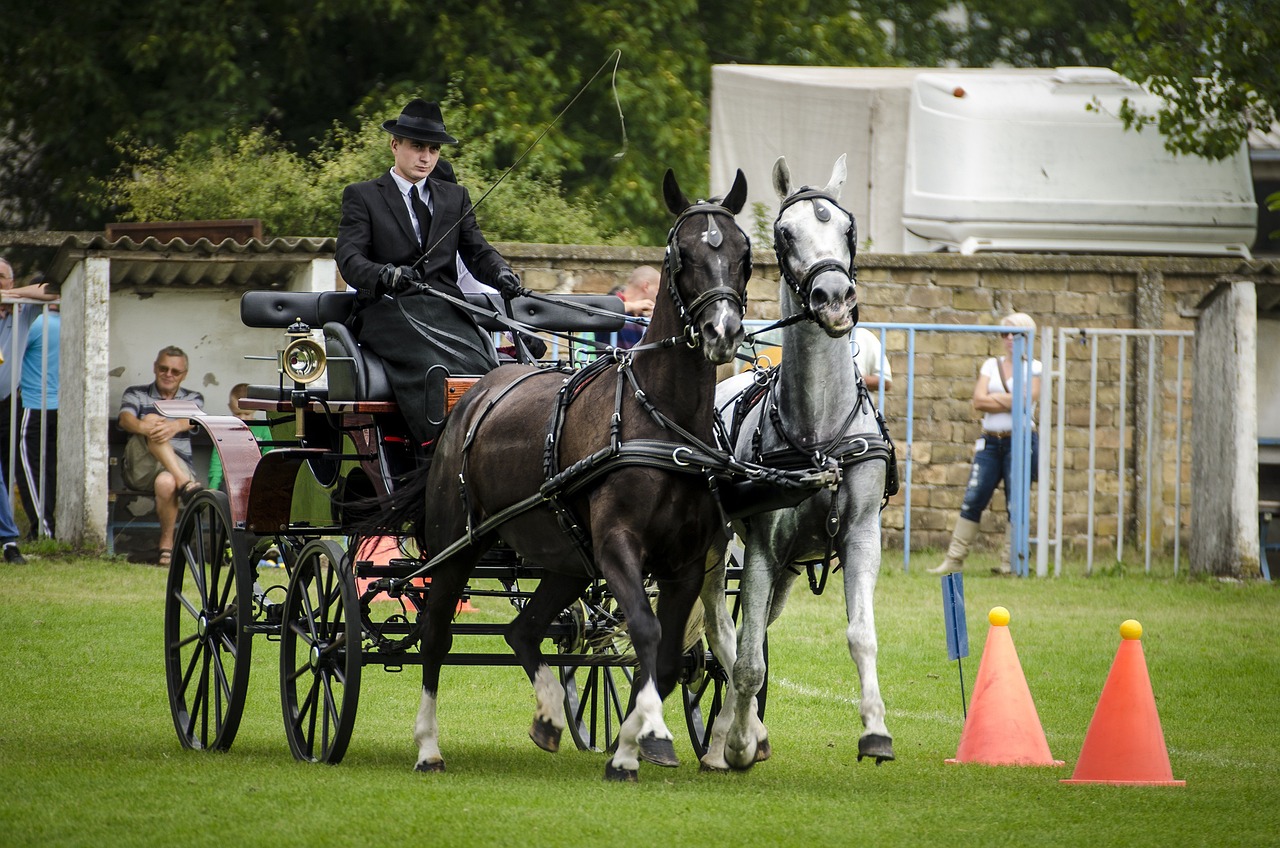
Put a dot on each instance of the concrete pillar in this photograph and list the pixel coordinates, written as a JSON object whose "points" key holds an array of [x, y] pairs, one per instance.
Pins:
{"points": [[82, 441], [318, 275], [1224, 422], [1149, 397]]}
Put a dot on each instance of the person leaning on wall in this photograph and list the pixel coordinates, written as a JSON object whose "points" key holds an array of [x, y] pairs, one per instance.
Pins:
{"points": [[993, 453]]}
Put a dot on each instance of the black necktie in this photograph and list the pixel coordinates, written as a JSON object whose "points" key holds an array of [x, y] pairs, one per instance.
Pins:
{"points": [[422, 212]]}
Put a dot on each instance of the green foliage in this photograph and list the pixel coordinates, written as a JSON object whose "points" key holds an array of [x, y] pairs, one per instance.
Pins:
{"points": [[254, 174], [207, 69], [984, 33], [249, 175], [1214, 63]]}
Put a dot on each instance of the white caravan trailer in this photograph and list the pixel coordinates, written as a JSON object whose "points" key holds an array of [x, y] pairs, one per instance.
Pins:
{"points": [[971, 160]]}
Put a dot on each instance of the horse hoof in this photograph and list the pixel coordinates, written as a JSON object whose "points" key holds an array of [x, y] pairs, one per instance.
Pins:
{"points": [[430, 766], [763, 751], [706, 768], [545, 735], [875, 745], [620, 775], [660, 752]]}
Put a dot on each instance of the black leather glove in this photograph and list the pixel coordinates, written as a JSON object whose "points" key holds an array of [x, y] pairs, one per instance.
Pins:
{"points": [[537, 347], [509, 284], [395, 279]]}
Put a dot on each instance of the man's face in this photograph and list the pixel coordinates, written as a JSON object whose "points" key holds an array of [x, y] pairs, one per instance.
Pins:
{"points": [[6, 276], [414, 159], [170, 371]]}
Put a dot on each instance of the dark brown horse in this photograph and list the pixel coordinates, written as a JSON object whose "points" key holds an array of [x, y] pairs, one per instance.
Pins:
{"points": [[625, 499]]}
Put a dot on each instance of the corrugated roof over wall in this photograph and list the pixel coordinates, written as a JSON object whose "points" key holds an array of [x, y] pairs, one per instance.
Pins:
{"points": [[152, 263]]}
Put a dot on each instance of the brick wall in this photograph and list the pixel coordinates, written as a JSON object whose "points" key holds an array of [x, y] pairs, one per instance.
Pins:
{"points": [[1059, 292]]}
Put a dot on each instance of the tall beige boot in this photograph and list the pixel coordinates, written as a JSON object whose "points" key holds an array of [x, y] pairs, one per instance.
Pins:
{"points": [[1005, 554], [961, 538]]}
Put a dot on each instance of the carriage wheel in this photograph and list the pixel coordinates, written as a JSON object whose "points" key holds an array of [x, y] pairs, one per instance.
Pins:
{"points": [[320, 654], [704, 694], [208, 607], [596, 695]]}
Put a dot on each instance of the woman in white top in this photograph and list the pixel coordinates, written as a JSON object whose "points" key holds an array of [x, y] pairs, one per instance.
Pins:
{"points": [[993, 454]]}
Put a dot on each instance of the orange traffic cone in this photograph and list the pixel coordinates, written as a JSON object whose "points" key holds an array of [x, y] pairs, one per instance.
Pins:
{"points": [[1125, 743], [1002, 728]]}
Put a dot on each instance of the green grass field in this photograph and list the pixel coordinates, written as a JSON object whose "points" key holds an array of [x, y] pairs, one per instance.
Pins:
{"points": [[88, 754]]}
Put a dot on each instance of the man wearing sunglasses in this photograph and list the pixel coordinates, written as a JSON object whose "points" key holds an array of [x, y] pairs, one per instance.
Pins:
{"points": [[157, 457]]}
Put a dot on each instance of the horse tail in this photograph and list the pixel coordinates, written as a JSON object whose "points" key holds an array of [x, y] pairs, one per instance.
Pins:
{"points": [[403, 510]]}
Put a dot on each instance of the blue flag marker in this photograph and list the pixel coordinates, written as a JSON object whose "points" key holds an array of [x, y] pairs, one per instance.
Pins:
{"points": [[956, 627], [953, 616]]}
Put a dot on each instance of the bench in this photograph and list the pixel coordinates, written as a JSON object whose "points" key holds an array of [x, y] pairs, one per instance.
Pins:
{"points": [[133, 528]]}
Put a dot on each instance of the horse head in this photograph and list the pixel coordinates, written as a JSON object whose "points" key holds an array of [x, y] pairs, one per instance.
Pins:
{"points": [[707, 266], [815, 240]]}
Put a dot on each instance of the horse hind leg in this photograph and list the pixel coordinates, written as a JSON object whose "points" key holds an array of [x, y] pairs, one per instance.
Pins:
{"points": [[448, 581], [722, 640], [875, 741], [524, 635]]}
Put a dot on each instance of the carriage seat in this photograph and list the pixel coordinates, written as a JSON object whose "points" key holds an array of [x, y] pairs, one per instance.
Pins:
{"points": [[355, 373]]}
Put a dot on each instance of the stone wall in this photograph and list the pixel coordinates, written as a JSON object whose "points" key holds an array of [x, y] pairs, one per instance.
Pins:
{"points": [[926, 289], [1059, 292]]}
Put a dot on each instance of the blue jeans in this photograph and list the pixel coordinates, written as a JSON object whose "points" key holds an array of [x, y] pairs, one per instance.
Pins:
{"points": [[8, 527], [991, 465]]}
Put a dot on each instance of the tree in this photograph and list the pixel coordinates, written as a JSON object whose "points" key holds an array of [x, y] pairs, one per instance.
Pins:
{"points": [[986, 33], [1215, 63], [151, 72]]}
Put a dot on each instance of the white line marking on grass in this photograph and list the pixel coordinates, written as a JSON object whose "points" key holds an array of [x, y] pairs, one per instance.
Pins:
{"points": [[826, 695]]}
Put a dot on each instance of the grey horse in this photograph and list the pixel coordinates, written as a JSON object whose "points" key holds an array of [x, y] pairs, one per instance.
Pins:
{"points": [[816, 409]]}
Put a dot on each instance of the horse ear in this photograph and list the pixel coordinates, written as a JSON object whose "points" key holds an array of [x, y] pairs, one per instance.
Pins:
{"points": [[781, 178], [839, 173], [737, 196], [671, 193]]}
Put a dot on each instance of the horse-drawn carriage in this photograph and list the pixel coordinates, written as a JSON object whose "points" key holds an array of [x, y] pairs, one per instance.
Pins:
{"points": [[628, 430]]}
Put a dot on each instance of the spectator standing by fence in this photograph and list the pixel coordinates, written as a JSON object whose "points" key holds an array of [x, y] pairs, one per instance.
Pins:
{"points": [[37, 461], [869, 356], [993, 453]]}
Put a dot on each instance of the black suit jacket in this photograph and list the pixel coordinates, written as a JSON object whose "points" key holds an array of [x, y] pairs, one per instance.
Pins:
{"points": [[375, 230]]}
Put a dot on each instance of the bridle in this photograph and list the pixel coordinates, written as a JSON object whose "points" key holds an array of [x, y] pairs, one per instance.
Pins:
{"points": [[784, 246], [713, 237]]}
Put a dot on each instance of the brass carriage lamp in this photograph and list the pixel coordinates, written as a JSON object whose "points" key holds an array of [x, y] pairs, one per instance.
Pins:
{"points": [[302, 360]]}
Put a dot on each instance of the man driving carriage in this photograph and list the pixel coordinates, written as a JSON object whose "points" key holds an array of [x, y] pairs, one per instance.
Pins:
{"points": [[387, 226]]}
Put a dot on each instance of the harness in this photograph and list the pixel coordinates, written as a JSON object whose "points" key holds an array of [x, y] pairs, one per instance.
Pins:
{"points": [[839, 453], [844, 449], [685, 453]]}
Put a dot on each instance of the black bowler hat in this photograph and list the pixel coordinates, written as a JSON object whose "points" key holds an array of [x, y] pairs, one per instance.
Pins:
{"points": [[420, 121]]}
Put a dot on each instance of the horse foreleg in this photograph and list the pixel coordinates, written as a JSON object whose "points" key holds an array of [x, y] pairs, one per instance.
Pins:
{"points": [[643, 734], [746, 734], [861, 568], [447, 584], [524, 635]]}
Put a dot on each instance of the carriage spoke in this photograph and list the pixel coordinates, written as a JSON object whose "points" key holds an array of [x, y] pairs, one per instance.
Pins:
{"points": [[319, 670], [206, 648]]}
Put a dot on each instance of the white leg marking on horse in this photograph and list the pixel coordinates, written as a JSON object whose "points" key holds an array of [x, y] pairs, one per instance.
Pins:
{"points": [[863, 647], [646, 718], [550, 697], [426, 731]]}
